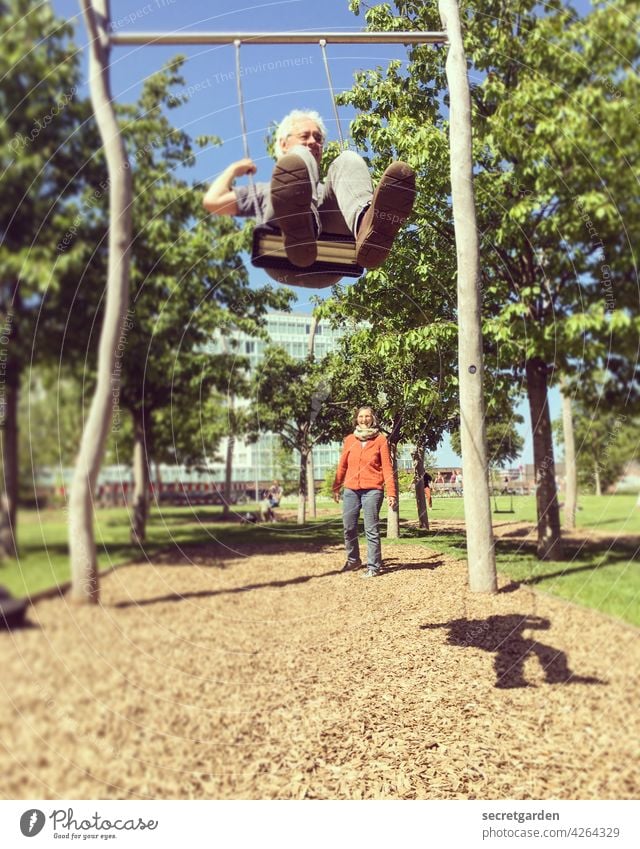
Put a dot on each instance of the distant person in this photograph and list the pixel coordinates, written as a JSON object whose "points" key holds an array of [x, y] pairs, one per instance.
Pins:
{"points": [[364, 469], [275, 494], [427, 488], [266, 509]]}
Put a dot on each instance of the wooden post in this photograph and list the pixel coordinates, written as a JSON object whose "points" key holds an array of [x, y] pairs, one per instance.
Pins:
{"points": [[84, 569], [477, 506], [140, 493], [570, 469]]}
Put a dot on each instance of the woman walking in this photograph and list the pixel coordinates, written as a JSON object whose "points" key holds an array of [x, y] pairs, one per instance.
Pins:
{"points": [[364, 469]]}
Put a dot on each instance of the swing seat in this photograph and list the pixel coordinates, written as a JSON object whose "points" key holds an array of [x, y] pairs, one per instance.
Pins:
{"points": [[336, 259]]}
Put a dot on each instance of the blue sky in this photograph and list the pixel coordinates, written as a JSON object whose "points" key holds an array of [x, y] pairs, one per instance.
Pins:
{"points": [[275, 79]]}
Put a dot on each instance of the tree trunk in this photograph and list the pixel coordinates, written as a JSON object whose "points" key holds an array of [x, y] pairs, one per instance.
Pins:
{"points": [[393, 516], [596, 478], [84, 566], [421, 499], [231, 443], [549, 538], [228, 475], [311, 477], [9, 390], [570, 470], [302, 488], [477, 506], [140, 499], [311, 486], [157, 487]]}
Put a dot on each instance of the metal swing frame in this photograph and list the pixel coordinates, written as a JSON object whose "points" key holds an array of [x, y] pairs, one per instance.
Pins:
{"points": [[481, 568]]}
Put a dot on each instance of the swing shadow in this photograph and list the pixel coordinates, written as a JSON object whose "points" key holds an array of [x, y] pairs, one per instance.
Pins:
{"points": [[175, 597], [504, 637], [248, 541]]}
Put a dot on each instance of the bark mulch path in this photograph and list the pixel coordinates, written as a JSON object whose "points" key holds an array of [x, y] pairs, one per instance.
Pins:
{"points": [[265, 673]]}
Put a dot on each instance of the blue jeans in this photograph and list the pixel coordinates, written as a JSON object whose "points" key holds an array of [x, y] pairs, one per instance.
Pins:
{"points": [[370, 501]]}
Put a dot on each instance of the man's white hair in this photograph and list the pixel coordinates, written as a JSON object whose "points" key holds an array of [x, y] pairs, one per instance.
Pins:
{"points": [[286, 126]]}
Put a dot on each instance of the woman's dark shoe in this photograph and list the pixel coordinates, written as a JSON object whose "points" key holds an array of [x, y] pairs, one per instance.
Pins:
{"points": [[351, 565]]}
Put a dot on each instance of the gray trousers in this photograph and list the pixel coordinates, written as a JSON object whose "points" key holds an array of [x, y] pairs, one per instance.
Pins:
{"points": [[337, 203]]}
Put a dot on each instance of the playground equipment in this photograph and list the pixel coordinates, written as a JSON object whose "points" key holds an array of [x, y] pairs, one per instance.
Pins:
{"points": [[482, 571]]}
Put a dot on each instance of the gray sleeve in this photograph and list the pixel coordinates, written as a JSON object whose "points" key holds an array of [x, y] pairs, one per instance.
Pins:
{"points": [[244, 201]]}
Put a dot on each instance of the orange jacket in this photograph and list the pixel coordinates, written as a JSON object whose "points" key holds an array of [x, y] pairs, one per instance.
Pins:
{"points": [[367, 467]]}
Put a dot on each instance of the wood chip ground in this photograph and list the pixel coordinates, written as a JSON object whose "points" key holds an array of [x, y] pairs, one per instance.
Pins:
{"points": [[266, 673]]}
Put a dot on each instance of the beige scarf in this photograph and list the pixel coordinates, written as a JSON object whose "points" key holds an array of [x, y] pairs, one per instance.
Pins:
{"points": [[363, 434]]}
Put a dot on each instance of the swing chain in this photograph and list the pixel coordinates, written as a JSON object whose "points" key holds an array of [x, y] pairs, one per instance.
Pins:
{"points": [[323, 48], [245, 136]]}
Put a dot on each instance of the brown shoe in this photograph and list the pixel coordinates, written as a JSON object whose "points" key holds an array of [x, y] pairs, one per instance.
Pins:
{"points": [[291, 195], [390, 207]]}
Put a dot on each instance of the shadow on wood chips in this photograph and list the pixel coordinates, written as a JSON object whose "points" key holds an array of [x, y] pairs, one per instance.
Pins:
{"points": [[261, 670]]}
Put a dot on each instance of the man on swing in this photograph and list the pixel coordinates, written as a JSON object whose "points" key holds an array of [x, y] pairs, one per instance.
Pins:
{"points": [[302, 207]]}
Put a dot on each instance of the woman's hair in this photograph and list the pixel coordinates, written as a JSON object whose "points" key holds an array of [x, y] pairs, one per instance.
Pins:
{"points": [[285, 127], [371, 410]]}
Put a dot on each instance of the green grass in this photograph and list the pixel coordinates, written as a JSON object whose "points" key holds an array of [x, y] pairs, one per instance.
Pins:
{"points": [[42, 540], [608, 513], [603, 574]]}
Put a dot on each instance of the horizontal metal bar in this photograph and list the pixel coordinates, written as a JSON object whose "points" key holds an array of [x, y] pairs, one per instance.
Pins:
{"points": [[121, 38]]}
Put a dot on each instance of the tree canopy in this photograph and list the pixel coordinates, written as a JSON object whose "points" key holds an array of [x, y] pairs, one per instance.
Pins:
{"points": [[556, 155]]}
